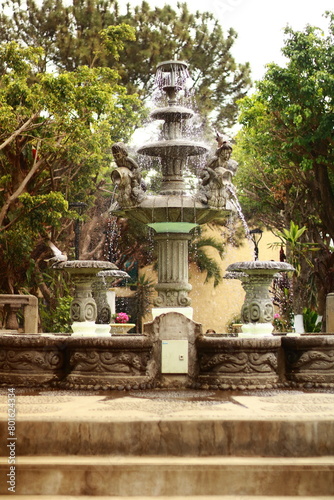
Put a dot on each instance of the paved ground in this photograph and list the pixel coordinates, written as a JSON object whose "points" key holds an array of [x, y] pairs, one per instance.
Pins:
{"points": [[168, 405]]}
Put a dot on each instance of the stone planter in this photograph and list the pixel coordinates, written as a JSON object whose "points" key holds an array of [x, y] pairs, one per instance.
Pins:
{"points": [[122, 362], [31, 360], [120, 328]]}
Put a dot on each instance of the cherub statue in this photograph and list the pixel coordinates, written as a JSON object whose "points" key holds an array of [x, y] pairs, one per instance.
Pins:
{"points": [[217, 175], [127, 177]]}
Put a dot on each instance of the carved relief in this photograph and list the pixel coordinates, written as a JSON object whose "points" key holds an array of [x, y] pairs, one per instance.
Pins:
{"points": [[172, 298], [311, 360], [28, 360], [106, 362], [238, 363], [216, 177], [127, 177], [83, 309]]}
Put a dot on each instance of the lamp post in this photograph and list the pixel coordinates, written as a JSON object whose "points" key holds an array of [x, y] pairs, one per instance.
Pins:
{"points": [[79, 207], [256, 235]]}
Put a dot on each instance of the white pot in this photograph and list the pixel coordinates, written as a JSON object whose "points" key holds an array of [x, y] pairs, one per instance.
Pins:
{"points": [[256, 330], [299, 323]]}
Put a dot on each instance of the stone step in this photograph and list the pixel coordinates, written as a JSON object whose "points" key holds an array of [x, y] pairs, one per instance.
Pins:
{"points": [[189, 497], [171, 476], [193, 437]]}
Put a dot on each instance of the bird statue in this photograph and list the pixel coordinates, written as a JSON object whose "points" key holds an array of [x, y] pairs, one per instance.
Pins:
{"points": [[222, 139], [58, 255]]}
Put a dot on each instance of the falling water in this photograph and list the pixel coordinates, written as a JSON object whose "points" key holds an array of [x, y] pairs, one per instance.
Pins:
{"points": [[237, 206], [170, 74]]}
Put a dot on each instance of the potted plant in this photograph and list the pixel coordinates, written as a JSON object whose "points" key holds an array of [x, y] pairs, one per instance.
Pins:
{"points": [[121, 324]]}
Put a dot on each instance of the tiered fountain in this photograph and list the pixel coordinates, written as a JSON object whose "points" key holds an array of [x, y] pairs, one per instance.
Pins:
{"points": [[173, 213], [172, 351]]}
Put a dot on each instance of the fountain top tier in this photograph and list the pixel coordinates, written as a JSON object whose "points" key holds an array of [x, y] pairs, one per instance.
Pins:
{"points": [[173, 149], [171, 76]]}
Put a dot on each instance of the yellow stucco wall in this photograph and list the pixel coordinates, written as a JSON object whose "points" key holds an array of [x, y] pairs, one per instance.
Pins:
{"points": [[213, 306]]}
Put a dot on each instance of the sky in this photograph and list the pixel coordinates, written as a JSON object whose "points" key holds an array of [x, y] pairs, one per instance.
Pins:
{"points": [[259, 24]]}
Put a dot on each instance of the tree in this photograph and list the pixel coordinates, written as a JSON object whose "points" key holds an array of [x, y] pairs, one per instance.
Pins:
{"points": [[286, 153], [56, 133], [76, 34]]}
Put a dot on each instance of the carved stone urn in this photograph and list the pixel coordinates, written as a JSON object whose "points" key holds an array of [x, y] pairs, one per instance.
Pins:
{"points": [[257, 313], [83, 307]]}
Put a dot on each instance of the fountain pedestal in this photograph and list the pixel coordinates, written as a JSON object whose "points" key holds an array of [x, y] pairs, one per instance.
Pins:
{"points": [[257, 313]]}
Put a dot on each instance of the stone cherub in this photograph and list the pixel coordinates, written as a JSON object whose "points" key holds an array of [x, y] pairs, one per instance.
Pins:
{"points": [[127, 177], [216, 176]]}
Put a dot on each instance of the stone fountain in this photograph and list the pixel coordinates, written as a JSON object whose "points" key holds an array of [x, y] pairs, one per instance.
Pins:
{"points": [[173, 214], [172, 351]]}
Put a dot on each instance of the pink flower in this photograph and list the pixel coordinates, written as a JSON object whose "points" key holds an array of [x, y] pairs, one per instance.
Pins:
{"points": [[121, 318], [276, 316]]}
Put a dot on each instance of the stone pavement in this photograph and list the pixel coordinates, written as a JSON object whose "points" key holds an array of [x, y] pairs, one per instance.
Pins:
{"points": [[47, 405], [171, 443]]}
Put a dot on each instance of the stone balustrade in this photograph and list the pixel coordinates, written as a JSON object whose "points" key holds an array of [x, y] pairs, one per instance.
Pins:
{"points": [[11, 304]]}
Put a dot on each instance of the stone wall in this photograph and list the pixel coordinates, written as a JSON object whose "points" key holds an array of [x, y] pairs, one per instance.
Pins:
{"points": [[131, 362]]}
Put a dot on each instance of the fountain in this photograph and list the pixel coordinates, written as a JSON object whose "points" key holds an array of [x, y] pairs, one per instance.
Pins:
{"points": [[173, 213], [172, 351]]}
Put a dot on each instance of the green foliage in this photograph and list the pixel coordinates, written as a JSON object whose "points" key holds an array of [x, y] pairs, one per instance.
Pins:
{"points": [[114, 37], [57, 320], [311, 321], [291, 238], [285, 149], [56, 132], [95, 33], [282, 292], [43, 211], [204, 262]]}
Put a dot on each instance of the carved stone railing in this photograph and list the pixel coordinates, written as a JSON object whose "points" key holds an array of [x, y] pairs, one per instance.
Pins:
{"points": [[11, 304]]}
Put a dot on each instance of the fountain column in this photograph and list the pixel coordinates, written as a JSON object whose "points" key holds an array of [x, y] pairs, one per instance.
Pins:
{"points": [[173, 286]]}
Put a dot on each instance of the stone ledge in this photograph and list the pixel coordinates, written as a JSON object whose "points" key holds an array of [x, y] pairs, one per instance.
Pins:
{"points": [[174, 476]]}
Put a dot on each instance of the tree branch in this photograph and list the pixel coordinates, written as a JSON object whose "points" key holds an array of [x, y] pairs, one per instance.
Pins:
{"points": [[18, 131], [21, 187]]}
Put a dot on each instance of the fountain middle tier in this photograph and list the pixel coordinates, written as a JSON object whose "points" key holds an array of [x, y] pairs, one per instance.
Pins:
{"points": [[173, 148], [172, 208]]}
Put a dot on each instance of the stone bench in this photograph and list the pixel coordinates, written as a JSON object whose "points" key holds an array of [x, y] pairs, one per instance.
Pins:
{"points": [[10, 304]]}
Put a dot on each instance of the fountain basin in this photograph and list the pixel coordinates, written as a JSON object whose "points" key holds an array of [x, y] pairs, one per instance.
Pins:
{"points": [[269, 267], [83, 307], [234, 363], [172, 208], [173, 148], [309, 359], [172, 113]]}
